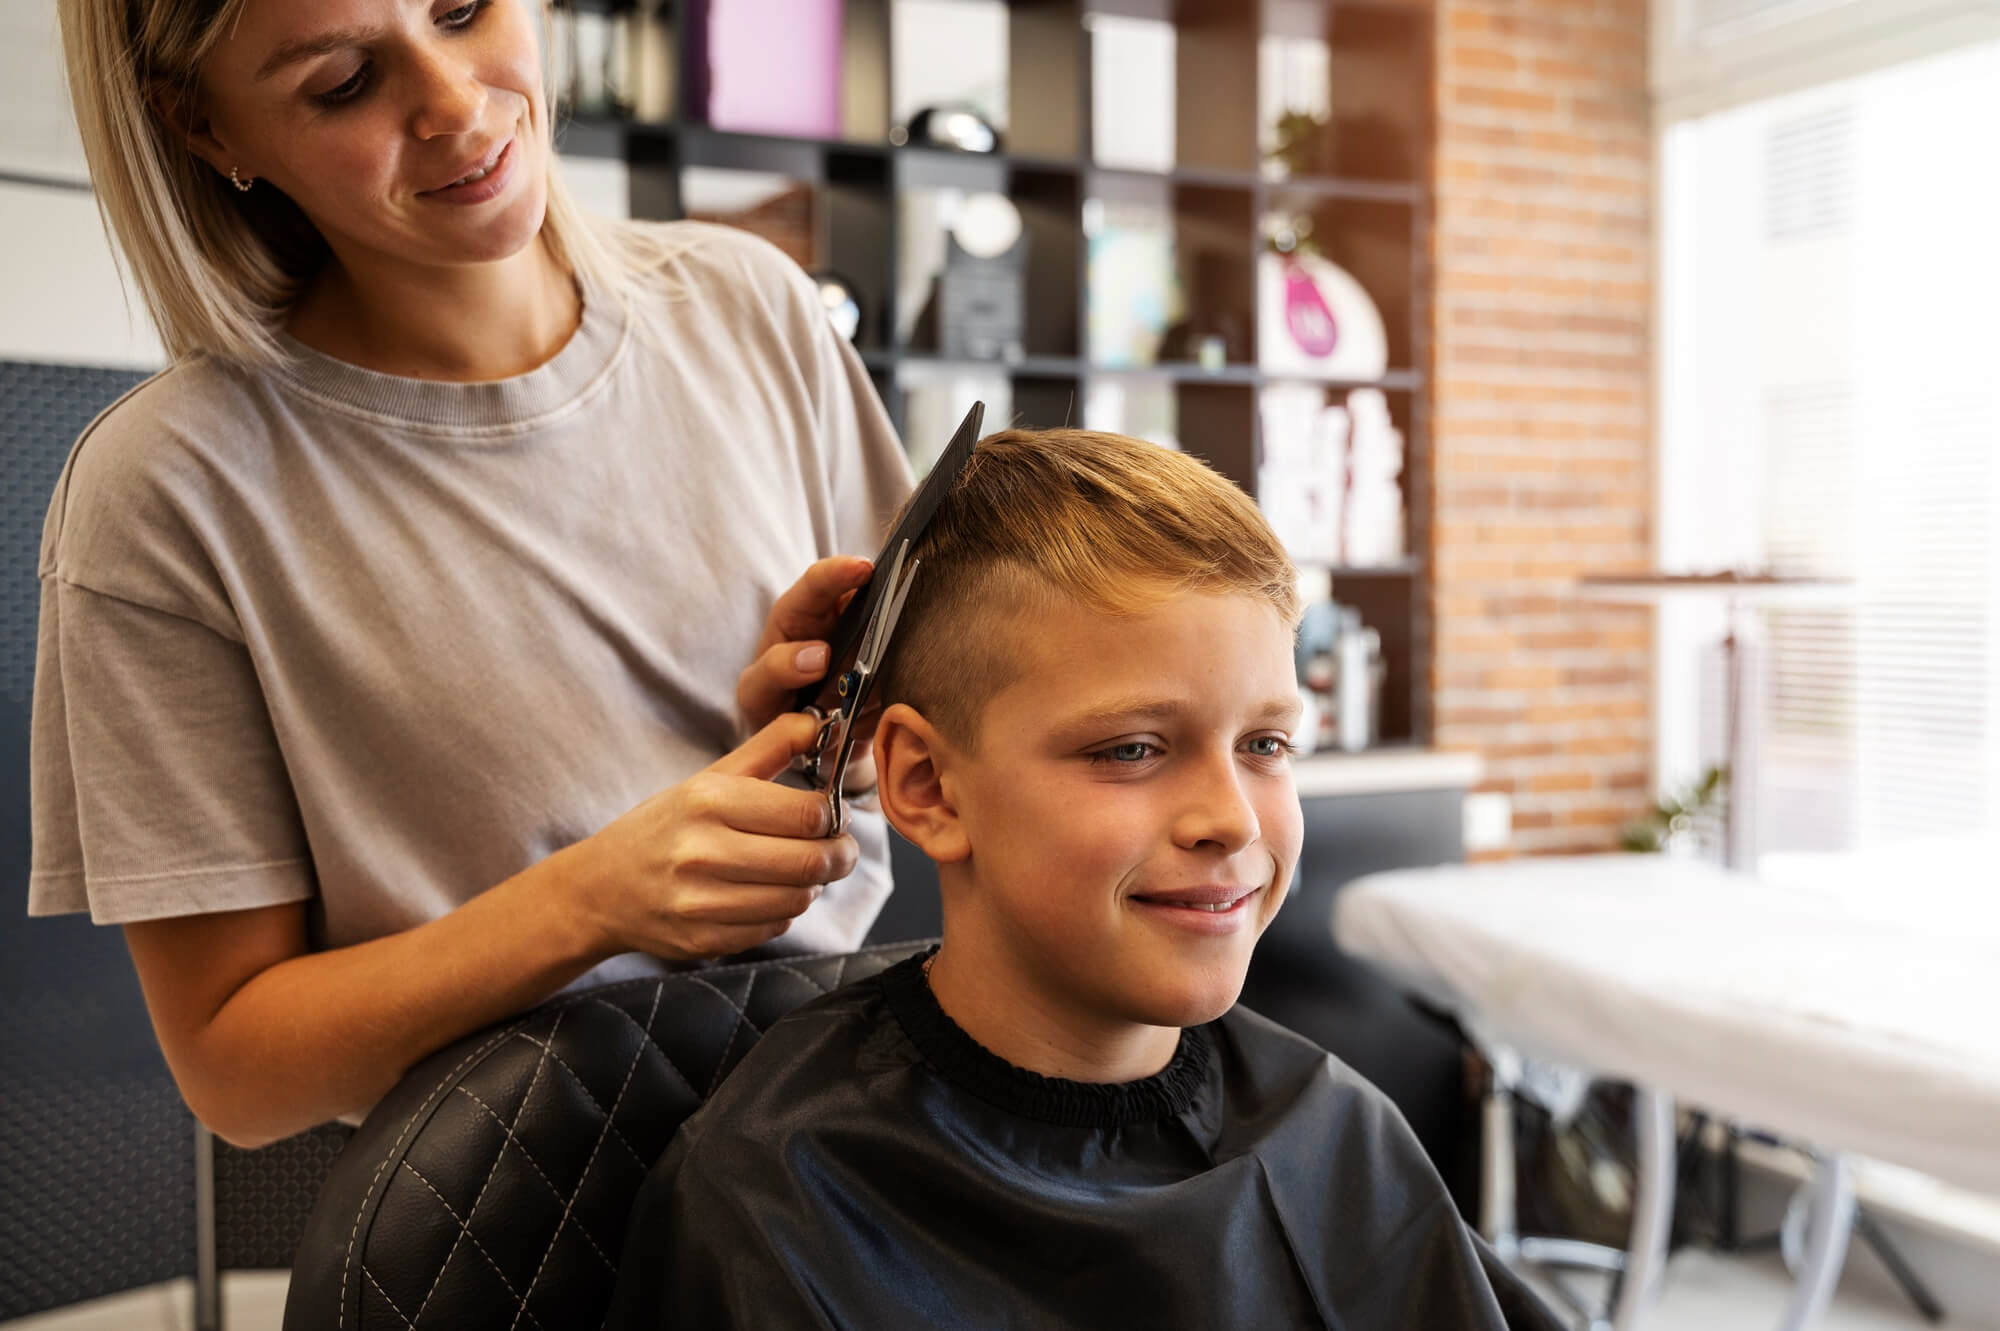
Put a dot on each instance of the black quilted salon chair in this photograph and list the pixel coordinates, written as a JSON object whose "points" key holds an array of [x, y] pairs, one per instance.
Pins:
{"points": [[490, 1188]]}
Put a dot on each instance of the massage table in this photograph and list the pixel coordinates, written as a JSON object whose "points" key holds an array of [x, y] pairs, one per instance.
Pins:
{"points": [[1853, 1023]]}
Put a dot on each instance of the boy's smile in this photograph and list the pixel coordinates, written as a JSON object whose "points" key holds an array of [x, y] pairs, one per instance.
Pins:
{"points": [[1131, 826]]}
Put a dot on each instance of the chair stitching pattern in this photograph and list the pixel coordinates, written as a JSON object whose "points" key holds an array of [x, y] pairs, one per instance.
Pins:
{"points": [[386, 1299], [742, 1019], [547, 1182], [533, 1080], [447, 1083], [354, 1235], [466, 1230], [794, 970], [549, 1052], [672, 1066], [606, 1130]]}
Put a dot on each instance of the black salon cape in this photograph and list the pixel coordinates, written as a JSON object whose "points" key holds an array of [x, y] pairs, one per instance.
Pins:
{"points": [[869, 1166]]}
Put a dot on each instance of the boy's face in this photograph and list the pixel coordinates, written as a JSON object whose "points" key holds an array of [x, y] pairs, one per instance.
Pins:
{"points": [[1130, 811]]}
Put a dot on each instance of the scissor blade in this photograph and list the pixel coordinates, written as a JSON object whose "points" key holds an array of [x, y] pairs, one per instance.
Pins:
{"points": [[877, 648], [869, 651]]}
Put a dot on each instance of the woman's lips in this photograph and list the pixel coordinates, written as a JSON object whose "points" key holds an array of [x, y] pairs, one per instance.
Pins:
{"points": [[485, 187]]}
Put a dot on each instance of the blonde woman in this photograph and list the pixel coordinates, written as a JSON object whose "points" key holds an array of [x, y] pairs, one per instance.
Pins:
{"points": [[391, 670]]}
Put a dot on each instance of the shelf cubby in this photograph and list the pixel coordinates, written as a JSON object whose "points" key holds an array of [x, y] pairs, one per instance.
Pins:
{"points": [[1358, 176]]}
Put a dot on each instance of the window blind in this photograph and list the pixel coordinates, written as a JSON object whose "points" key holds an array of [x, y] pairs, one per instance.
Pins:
{"points": [[1831, 411], [1709, 55]]}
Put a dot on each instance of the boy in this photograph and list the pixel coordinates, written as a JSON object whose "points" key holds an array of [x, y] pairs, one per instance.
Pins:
{"points": [[1057, 1119]]}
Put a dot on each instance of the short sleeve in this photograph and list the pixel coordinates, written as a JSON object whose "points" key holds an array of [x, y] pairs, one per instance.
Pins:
{"points": [[867, 468], [157, 786]]}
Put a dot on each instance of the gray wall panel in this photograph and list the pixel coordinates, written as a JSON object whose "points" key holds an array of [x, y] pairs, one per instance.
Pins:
{"points": [[96, 1150]]}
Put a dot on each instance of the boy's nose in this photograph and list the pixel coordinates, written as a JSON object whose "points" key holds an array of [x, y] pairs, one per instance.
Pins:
{"points": [[1217, 812]]}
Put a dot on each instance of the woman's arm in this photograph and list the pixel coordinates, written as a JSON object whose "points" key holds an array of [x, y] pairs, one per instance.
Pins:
{"points": [[266, 1039]]}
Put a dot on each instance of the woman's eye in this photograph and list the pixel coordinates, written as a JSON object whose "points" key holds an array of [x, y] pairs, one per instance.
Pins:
{"points": [[1136, 751], [463, 15], [346, 91]]}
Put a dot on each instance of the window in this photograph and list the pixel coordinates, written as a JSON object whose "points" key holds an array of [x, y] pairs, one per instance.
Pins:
{"points": [[1830, 406]]}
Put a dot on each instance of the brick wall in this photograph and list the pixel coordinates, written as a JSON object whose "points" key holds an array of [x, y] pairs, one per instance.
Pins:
{"points": [[1542, 453]]}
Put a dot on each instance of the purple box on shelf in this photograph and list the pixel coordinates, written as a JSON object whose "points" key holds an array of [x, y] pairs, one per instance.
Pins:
{"points": [[773, 66]]}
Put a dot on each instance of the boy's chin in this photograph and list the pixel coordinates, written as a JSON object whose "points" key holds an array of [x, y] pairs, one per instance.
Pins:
{"points": [[1192, 1001]]}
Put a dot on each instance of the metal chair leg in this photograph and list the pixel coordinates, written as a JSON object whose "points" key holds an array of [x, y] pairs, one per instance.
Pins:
{"points": [[1652, 1205], [1828, 1223], [207, 1278]]}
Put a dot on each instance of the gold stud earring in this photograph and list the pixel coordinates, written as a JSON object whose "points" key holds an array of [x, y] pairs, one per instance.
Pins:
{"points": [[241, 185]]}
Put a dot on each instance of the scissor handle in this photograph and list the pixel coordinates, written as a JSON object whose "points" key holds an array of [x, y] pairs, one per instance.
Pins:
{"points": [[813, 764]]}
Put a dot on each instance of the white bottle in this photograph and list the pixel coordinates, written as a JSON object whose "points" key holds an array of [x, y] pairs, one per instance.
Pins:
{"points": [[1354, 706]]}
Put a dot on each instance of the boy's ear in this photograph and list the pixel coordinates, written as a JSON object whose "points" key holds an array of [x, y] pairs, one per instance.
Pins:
{"points": [[910, 762]]}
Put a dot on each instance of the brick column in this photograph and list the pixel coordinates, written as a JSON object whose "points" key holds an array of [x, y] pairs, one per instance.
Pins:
{"points": [[1542, 444]]}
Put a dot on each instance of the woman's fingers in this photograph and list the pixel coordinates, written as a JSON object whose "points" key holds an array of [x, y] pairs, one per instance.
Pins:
{"points": [[781, 861], [767, 684], [769, 751], [740, 903], [810, 606], [791, 652]]}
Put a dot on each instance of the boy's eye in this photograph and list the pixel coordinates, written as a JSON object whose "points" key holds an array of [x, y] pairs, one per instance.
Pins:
{"points": [[1270, 746], [1132, 751]]}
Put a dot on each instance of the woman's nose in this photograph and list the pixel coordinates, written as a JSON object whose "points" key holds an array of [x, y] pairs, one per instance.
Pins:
{"points": [[450, 98]]}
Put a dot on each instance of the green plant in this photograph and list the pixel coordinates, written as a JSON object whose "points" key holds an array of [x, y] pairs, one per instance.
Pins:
{"points": [[1303, 143], [1678, 816]]}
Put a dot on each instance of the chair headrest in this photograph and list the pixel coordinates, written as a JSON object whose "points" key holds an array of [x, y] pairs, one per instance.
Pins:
{"points": [[494, 1182]]}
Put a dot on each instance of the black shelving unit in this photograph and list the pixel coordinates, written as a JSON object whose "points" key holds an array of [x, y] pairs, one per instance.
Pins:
{"points": [[1369, 211]]}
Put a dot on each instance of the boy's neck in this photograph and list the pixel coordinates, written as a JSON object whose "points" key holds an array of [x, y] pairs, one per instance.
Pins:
{"points": [[1019, 1021]]}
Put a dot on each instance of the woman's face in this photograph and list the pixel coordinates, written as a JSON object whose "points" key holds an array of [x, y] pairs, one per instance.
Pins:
{"points": [[374, 117]]}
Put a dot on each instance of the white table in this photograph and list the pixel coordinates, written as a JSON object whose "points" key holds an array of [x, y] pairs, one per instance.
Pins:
{"points": [[1830, 1021]]}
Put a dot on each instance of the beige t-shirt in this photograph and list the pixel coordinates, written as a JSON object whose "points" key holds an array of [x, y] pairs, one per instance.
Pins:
{"points": [[378, 643]]}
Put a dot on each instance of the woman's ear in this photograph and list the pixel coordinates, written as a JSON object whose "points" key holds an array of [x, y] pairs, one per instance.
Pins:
{"points": [[180, 111], [911, 760]]}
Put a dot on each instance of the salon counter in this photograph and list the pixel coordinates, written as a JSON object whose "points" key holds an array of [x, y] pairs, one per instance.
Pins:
{"points": [[1380, 771], [1381, 809]]}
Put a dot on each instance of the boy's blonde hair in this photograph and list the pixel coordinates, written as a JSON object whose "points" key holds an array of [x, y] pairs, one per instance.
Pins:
{"points": [[219, 269], [1115, 524]]}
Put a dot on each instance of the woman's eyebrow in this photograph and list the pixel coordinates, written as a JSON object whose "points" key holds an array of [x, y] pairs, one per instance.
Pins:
{"points": [[290, 53]]}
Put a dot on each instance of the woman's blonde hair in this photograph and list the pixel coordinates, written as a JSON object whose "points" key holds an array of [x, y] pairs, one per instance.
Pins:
{"points": [[219, 269]]}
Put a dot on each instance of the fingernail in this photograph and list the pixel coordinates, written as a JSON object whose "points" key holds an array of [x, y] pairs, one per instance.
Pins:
{"points": [[811, 658]]}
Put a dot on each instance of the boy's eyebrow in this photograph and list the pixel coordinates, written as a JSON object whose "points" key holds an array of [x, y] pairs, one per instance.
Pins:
{"points": [[1271, 712], [1287, 709], [1123, 709]]}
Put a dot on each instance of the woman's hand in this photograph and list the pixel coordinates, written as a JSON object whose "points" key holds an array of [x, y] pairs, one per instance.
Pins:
{"points": [[722, 862], [792, 653]]}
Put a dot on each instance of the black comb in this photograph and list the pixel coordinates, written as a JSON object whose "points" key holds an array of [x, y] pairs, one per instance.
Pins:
{"points": [[845, 639]]}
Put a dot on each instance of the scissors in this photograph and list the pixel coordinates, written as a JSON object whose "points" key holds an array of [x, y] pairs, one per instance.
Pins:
{"points": [[866, 627]]}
